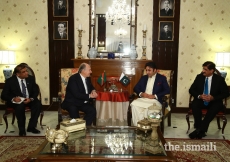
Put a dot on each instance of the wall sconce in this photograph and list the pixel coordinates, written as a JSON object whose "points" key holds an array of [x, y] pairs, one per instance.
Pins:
{"points": [[7, 58], [223, 60]]}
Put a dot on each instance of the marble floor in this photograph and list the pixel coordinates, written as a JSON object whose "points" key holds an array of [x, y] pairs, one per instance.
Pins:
{"points": [[177, 130]]}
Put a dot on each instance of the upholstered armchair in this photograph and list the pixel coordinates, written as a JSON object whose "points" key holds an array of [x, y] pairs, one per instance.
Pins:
{"points": [[167, 99], [64, 75]]}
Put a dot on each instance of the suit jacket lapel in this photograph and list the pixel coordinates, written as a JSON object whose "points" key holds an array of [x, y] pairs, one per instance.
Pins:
{"points": [[213, 83]]}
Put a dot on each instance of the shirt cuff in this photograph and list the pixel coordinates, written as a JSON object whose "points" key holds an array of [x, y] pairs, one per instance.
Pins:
{"points": [[140, 94]]}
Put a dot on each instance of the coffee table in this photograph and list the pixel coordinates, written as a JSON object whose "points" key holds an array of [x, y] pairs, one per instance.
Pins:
{"points": [[104, 144]]}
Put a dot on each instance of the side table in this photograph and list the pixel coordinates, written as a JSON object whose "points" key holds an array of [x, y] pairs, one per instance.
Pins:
{"points": [[112, 108]]}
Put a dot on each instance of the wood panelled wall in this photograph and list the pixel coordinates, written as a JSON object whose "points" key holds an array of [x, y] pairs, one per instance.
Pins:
{"points": [[60, 51], [164, 53]]}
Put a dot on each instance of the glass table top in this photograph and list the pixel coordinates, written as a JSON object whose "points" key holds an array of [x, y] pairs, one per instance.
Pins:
{"points": [[120, 141]]}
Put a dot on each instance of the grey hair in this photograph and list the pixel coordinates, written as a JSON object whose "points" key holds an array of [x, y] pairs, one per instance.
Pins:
{"points": [[81, 67]]}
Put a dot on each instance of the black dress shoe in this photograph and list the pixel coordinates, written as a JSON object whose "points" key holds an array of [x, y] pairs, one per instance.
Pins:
{"points": [[33, 130], [201, 134], [193, 134], [22, 133]]}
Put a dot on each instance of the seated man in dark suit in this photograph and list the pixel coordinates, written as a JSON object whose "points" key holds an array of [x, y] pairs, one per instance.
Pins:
{"points": [[79, 92], [19, 91], [208, 90], [151, 88]]}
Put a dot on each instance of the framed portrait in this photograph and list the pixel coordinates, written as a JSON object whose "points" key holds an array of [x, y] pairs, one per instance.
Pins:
{"points": [[60, 30], [166, 8], [60, 8], [166, 31]]}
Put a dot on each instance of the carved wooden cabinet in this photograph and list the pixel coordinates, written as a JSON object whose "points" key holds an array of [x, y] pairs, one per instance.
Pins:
{"points": [[114, 68]]}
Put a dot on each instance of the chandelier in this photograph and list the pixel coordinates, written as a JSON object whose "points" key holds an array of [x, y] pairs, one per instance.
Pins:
{"points": [[118, 13], [120, 32]]}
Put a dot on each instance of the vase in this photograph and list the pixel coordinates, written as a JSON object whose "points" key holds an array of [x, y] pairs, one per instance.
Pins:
{"points": [[133, 52], [92, 53]]}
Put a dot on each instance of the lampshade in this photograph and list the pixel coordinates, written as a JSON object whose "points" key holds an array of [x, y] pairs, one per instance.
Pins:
{"points": [[223, 59], [7, 58]]}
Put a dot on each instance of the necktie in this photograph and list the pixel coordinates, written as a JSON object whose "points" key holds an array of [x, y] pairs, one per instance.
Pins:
{"points": [[23, 89], [206, 90]]}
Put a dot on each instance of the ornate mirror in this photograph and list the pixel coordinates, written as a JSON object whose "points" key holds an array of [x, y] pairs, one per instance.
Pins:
{"points": [[112, 26]]}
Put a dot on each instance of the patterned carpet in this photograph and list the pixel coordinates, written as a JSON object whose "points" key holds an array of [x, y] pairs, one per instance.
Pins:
{"points": [[202, 150], [14, 149]]}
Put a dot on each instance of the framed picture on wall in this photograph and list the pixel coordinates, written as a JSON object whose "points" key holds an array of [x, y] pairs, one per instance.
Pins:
{"points": [[166, 8], [166, 31], [60, 8], [60, 31]]}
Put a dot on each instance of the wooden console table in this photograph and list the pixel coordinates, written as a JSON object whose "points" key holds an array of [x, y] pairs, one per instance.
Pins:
{"points": [[114, 68]]}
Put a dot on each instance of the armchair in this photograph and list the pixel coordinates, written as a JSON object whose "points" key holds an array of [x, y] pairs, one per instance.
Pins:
{"points": [[167, 99], [10, 110], [221, 114], [64, 75]]}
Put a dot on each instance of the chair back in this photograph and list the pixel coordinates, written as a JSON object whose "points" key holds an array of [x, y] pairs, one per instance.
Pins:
{"points": [[64, 75]]}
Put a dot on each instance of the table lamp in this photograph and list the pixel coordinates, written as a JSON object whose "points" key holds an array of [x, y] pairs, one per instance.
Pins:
{"points": [[7, 58], [223, 60]]}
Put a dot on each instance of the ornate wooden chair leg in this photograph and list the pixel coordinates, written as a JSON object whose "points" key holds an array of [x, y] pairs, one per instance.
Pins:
{"points": [[187, 118], [162, 126], [5, 119], [13, 119], [218, 122], [224, 123], [169, 119], [41, 117]]}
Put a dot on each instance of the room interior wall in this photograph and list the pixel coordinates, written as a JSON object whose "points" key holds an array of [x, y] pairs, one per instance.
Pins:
{"points": [[24, 29], [204, 30]]}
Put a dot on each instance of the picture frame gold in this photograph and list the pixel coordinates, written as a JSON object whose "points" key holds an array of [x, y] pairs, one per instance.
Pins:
{"points": [[166, 8], [60, 30], [166, 31], [60, 8]]}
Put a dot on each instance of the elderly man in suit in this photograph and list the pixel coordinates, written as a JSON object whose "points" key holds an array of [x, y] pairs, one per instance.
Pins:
{"points": [[150, 88], [19, 91], [79, 92], [208, 90], [166, 11]]}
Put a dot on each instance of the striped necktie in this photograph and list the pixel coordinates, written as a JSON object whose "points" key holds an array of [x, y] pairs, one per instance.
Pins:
{"points": [[23, 89]]}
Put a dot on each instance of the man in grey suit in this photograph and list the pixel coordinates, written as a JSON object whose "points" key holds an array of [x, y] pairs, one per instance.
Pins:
{"points": [[20, 91], [217, 90], [79, 93]]}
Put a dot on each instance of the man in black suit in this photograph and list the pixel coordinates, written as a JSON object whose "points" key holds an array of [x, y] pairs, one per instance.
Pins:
{"points": [[79, 92], [217, 90], [20, 91], [166, 11], [61, 31], [60, 8]]}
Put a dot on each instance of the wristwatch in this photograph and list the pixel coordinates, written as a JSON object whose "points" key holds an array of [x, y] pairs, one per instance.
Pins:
{"points": [[31, 99]]}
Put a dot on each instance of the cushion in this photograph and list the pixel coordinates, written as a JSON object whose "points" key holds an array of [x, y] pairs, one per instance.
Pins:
{"points": [[65, 73], [166, 73]]}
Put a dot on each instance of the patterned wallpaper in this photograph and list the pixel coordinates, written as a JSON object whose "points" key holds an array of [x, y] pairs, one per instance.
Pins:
{"points": [[24, 29], [204, 30], [203, 26]]}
